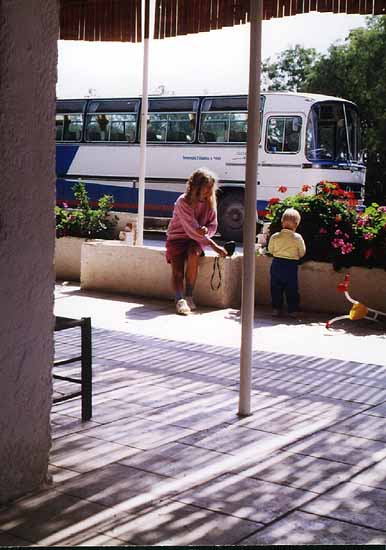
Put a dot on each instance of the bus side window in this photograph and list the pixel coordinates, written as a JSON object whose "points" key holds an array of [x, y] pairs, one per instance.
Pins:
{"points": [[72, 127], [283, 134], [123, 127], [181, 127], [59, 127], [238, 127], [214, 128], [156, 127], [98, 127]]}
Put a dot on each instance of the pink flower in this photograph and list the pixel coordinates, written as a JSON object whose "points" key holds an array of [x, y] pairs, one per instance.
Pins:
{"points": [[323, 231], [347, 248], [338, 232], [382, 209], [64, 205], [368, 236]]}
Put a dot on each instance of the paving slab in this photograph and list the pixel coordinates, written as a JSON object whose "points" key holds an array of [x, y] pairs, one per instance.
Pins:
{"points": [[300, 471], [373, 476], [140, 433], [82, 453], [300, 528], [230, 439], [337, 447], [35, 518], [174, 460], [363, 425], [175, 523], [111, 485], [357, 504], [379, 410], [246, 498]]}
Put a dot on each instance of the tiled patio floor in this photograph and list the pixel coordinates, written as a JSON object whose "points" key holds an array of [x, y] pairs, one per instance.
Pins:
{"points": [[165, 459]]}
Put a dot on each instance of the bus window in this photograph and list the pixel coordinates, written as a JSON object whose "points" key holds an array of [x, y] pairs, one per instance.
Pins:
{"points": [[214, 128], [69, 127], [181, 127], [111, 127], [157, 127], [283, 134], [328, 127], [171, 127], [238, 127]]}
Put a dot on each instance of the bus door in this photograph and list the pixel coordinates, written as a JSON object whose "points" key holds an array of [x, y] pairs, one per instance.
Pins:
{"points": [[281, 154]]}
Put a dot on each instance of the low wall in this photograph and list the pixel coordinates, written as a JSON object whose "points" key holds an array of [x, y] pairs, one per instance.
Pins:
{"points": [[67, 258], [318, 282], [114, 266]]}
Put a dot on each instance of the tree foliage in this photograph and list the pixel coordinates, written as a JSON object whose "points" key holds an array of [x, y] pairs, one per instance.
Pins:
{"points": [[289, 70], [355, 70]]}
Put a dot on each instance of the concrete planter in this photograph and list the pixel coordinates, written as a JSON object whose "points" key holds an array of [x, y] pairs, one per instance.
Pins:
{"points": [[67, 258], [318, 282], [136, 270]]}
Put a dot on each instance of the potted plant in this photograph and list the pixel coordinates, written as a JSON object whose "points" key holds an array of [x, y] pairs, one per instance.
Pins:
{"points": [[332, 228], [75, 225]]}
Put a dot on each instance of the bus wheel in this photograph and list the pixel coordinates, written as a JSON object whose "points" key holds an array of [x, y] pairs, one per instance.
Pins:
{"points": [[231, 216]]}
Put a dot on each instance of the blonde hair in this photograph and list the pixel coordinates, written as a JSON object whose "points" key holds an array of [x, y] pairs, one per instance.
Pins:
{"points": [[290, 218], [196, 182]]}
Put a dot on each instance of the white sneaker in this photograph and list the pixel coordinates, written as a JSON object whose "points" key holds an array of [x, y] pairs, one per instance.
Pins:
{"points": [[191, 304], [182, 307]]}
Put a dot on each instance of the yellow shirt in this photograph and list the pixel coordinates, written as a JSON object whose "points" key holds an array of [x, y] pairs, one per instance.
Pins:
{"points": [[287, 244]]}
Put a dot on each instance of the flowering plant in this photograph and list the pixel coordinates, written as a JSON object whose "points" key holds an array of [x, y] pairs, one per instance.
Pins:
{"points": [[332, 228], [84, 221]]}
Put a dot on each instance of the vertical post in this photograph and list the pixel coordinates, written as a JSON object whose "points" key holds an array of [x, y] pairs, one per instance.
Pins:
{"points": [[249, 235], [86, 368], [144, 109]]}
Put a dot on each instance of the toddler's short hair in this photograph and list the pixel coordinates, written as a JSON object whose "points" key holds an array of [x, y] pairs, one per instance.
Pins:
{"points": [[290, 218]]}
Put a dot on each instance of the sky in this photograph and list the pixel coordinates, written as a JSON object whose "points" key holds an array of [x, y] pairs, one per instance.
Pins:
{"points": [[205, 63]]}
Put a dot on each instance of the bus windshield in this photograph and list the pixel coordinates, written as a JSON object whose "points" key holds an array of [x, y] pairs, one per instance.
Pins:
{"points": [[333, 132]]}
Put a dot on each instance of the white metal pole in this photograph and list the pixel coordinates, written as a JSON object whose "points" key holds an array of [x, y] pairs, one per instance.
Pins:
{"points": [[249, 235], [144, 109]]}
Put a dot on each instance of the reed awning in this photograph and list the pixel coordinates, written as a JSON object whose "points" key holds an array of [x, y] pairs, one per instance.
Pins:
{"points": [[120, 20]]}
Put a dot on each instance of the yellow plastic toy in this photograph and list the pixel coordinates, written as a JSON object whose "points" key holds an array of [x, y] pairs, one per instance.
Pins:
{"points": [[358, 310]]}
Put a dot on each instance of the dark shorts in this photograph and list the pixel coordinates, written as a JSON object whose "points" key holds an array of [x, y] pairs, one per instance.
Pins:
{"points": [[178, 248]]}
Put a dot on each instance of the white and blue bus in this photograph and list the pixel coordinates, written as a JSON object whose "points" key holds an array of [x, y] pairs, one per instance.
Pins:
{"points": [[304, 139]]}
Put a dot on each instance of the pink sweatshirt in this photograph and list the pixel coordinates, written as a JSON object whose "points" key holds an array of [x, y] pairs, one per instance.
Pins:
{"points": [[186, 219]]}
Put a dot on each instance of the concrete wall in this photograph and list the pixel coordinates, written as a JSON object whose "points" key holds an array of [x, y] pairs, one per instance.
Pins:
{"points": [[116, 267], [318, 282], [28, 58]]}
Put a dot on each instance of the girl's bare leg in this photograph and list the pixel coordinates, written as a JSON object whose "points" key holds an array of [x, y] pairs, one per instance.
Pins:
{"points": [[193, 258], [178, 265]]}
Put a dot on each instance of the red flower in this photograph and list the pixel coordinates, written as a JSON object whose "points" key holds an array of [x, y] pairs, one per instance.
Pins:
{"points": [[306, 188], [282, 189], [272, 201], [338, 218]]}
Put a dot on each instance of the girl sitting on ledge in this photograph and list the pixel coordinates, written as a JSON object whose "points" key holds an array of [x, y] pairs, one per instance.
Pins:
{"points": [[191, 228]]}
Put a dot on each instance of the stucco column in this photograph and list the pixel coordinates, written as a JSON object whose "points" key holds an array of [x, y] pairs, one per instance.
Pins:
{"points": [[28, 59]]}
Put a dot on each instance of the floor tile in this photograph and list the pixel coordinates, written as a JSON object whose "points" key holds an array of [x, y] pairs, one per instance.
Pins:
{"points": [[82, 453], [338, 447], [139, 432], [300, 528], [111, 485], [357, 504], [175, 523], [363, 425], [245, 498], [174, 460], [299, 471]]}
